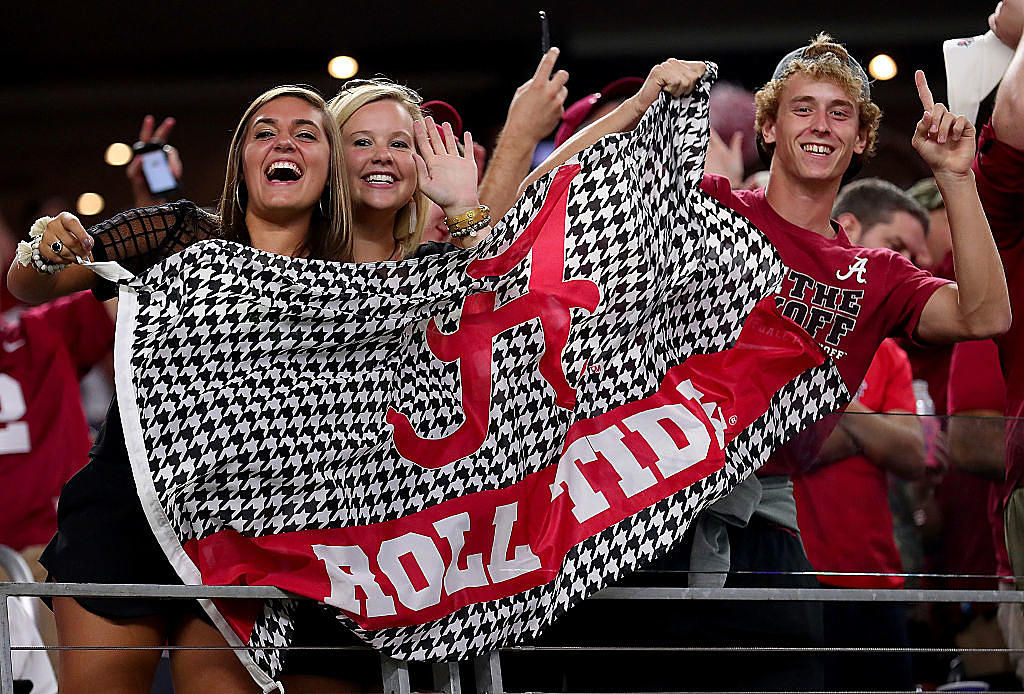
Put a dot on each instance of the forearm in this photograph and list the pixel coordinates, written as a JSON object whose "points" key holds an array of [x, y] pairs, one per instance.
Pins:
{"points": [[838, 446], [34, 287], [893, 442], [983, 300], [510, 164], [624, 117], [1008, 114], [977, 443]]}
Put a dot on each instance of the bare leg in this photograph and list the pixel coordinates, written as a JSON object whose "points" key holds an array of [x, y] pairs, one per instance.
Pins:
{"points": [[202, 672], [112, 672]]}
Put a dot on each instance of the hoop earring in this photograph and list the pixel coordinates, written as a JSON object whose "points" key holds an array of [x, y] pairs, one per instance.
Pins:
{"points": [[238, 199], [320, 203], [412, 217]]}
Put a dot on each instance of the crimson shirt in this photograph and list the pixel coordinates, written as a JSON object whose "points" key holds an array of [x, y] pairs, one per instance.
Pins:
{"points": [[843, 507], [999, 171], [848, 298], [44, 438]]}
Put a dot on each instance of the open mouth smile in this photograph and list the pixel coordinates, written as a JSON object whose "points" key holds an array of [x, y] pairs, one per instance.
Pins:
{"points": [[818, 149], [283, 172], [379, 179]]}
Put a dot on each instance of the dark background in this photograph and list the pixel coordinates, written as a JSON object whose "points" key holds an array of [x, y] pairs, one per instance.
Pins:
{"points": [[80, 76]]}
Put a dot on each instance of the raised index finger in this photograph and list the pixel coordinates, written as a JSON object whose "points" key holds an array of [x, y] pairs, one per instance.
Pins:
{"points": [[546, 64], [923, 92]]}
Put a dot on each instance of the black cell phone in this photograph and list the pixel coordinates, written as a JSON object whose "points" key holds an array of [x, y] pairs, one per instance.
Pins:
{"points": [[156, 168], [545, 32]]}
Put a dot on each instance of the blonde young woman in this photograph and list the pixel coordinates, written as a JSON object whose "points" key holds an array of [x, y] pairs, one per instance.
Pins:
{"points": [[285, 192], [378, 120]]}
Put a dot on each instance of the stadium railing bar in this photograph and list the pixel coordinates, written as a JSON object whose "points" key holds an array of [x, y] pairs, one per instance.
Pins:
{"points": [[487, 668]]}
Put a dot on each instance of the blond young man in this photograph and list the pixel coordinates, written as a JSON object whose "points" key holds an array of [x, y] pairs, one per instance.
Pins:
{"points": [[816, 124]]}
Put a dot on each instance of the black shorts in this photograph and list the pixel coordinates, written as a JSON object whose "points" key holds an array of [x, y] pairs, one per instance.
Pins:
{"points": [[103, 536]]}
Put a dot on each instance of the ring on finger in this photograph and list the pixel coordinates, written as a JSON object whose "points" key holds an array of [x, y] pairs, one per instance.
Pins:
{"points": [[57, 246]]}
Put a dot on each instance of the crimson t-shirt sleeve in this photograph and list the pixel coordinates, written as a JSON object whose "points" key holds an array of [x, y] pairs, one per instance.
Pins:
{"points": [[899, 388], [716, 186], [999, 172], [975, 379], [910, 289], [81, 323]]}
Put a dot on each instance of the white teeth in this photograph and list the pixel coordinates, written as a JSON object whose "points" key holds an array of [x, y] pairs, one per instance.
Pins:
{"points": [[817, 149], [379, 178], [284, 165]]}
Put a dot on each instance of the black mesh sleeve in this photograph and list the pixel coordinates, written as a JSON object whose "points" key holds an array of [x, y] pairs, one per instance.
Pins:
{"points": [[138, 239], [433, 248]]}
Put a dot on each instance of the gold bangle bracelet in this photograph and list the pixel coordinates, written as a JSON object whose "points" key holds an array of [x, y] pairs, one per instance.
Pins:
{"points": [[468, 218]]}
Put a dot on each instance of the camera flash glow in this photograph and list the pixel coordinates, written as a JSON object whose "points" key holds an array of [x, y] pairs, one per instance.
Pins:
{"points": [[342, 67], [882, 67], [118, 154], [90, 203]]}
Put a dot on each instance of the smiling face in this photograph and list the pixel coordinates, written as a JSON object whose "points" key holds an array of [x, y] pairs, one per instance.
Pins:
{"points": [[816, 131], [285, 159], [378, 144]]}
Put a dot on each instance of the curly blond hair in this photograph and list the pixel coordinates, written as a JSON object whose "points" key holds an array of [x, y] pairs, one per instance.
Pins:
{"points": [[822, 59]]}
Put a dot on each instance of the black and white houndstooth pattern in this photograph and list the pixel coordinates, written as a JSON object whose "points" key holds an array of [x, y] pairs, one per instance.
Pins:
{"points": [[262, 381]]}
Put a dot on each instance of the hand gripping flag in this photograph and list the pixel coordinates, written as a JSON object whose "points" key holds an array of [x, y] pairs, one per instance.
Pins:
{"points": [[451, 452]]}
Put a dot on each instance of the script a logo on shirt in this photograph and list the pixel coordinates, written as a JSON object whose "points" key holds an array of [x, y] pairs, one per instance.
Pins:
{"points": [[858, 267]]}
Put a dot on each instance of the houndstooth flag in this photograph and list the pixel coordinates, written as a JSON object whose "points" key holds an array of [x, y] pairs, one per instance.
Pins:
{"points": [[453, 451]]}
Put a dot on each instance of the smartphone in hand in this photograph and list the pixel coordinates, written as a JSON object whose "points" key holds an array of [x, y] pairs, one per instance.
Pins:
{"points": [[156, 169]]}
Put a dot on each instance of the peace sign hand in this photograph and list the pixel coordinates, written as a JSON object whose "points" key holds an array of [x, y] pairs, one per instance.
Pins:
{"points": [[150, 132], [945, 141]]}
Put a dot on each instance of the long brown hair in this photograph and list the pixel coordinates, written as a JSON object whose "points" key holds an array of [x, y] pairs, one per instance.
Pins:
{"points": [[354, 94], [330, 227]]}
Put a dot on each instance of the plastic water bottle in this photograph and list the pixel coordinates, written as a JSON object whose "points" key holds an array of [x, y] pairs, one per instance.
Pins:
{"points": [[930, 425]]}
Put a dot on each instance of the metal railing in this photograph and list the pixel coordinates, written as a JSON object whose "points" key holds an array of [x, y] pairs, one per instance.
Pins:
{"points": [[487, 668]]}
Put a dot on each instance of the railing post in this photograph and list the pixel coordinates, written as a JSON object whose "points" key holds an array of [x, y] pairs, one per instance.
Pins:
{"points": [[396, 675], [447, 679], [6, 667], [488, 673]]}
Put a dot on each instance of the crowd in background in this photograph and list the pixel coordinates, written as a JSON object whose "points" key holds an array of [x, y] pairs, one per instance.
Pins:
{"points": [[907, 490]]}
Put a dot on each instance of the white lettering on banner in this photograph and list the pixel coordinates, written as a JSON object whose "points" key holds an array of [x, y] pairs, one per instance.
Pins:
{"points": [[344, 583], [677, 435], [424, 552], [686, 389], [586, 501], [454, 529], [671, 458], [633, 477], [348, 566], [524, 560]]}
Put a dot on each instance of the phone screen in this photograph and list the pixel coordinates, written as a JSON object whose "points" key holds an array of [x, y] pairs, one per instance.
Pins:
{"points": [[157, 171]]}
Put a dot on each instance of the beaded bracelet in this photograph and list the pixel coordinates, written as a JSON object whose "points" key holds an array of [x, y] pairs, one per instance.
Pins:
{"points": [[470, 230], [28, 251]]}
